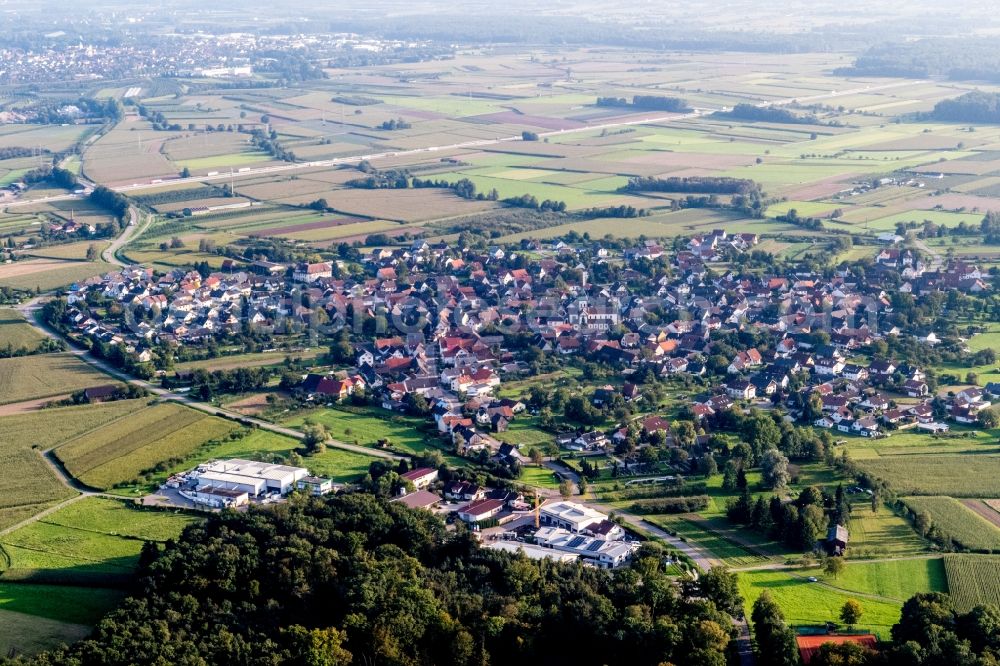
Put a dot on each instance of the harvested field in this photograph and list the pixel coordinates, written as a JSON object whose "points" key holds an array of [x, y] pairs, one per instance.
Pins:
{"points": [[16, 333], [399, 205], [45, 375], [984, 510]]}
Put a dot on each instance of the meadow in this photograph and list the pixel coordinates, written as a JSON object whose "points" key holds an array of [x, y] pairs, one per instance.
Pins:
{"points": [[811, 604], [59, 575], [120, 452], [39, 617], [367, 427]]}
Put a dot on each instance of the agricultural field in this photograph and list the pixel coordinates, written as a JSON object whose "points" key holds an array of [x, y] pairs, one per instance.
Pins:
{"points": [[48, 274], [120, 452], [958, 522], [951, 475], [806, 603], [45, 375], [30, 485], [16, 333], [93, 542], [972, 580]]}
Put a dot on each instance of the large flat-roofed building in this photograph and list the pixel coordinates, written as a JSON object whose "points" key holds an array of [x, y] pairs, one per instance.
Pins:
{"points": [[254, 478], [219, 497], [604, 553], [570, 516]]}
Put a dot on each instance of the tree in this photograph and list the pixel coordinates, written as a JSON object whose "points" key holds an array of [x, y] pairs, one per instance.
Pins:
{"points": [[721, 586], [185, 172], [775, 640], [988, 418], [566, 488], [314, 438], [707, 465], [851, 611], [843, 654], [92, 252], [774, 469], [833, 567], [536, 456], [922, 522]]}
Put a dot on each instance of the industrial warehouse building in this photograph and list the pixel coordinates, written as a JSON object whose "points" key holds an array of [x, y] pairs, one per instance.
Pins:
{"points": [[250, 477]]}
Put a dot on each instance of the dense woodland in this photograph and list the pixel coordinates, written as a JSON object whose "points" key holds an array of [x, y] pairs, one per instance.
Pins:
{"points": [[972, 107], [356, 580], [958, 59], [766, 114]]}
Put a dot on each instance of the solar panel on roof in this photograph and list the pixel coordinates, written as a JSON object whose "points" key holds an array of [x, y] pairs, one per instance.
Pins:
{"points": [[594, 547], [576, 541]]}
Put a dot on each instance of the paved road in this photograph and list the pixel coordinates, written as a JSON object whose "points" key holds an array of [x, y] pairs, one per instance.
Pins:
{"points": [[936, 259], [110, 253]]}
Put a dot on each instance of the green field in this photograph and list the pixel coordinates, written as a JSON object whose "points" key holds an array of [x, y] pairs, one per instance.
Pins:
{"points": [[39, 617], [961, 524], [366, 428], [61, 275], [898, 580], [46, 375], [973, 580], [806, 603], [121, 451], [882, 535], [540, 477], [730, 551], [89, 541], [16, 332]]}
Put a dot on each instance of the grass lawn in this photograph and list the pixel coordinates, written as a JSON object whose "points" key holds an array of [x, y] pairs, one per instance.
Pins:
{"points": [[899, 579], [525, 434], [540, 477], [339, 465], [366, 427], [806, 603]]}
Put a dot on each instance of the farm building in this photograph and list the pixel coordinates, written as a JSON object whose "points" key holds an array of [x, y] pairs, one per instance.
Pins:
{"points": [[836, 540]]}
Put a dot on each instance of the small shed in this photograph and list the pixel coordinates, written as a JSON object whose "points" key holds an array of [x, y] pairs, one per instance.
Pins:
{"points": [[836, 539]]}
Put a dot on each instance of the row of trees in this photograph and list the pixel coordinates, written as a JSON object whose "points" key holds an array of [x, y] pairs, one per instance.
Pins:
{"points": [[650, 102]]}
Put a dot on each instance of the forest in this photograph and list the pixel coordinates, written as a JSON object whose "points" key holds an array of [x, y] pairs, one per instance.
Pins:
{"points": [[357, 580]]}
